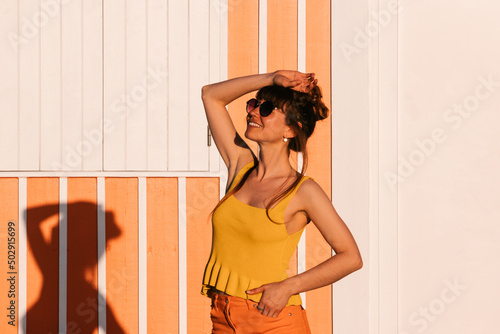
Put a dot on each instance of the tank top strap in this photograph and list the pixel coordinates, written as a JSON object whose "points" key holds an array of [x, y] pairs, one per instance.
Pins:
{"points": [[284, 202]]}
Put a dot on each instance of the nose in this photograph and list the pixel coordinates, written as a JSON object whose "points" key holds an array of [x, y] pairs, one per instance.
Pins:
{"points": [[255, 111]]}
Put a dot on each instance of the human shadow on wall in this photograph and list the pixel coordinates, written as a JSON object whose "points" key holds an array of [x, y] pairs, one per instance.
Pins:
{"points": [[82, 257]]}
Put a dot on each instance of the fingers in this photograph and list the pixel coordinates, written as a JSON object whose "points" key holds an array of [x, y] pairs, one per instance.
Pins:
{"points": [[307, 84], [268, 311], [255, 291]]}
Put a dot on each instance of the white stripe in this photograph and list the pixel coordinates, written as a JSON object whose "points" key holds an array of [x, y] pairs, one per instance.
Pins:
{"points": [[22, 266], [101, 251], [300, 161], [63, 251], [301, 66], [222, 183], [262, 36], [301, 262], [301, 247], [301, 35], [182, 256], [143, 259]]}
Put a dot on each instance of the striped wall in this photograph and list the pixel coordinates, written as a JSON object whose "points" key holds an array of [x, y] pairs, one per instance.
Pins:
{"points": [[106, 170], [93, 85], [122, 254], [278, 34]]}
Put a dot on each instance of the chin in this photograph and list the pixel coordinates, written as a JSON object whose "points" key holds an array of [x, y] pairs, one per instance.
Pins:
{"points": [[249, 136]]}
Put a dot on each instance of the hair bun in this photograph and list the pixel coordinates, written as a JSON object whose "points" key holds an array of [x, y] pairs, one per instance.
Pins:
{"points": [[319, 108]]}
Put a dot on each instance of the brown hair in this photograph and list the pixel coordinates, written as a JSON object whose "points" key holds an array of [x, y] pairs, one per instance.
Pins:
{"points": [[302, 111]]}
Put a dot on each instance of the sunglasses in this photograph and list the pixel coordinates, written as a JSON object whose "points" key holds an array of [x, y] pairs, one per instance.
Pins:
{"points": [[266, 107]]}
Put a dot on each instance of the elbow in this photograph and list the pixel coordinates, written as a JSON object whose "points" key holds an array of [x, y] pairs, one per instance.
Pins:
{"points": [[358, 263], [205, 92]]}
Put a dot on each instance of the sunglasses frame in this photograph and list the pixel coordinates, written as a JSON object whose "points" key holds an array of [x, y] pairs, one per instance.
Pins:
{"points": [[266, 107]]}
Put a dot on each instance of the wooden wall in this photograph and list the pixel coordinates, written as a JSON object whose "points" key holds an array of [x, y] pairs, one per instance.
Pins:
{"points": [[106, 174]]}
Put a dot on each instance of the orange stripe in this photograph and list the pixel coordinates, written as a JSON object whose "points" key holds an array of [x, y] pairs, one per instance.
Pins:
{"points": [[122, 255], [318, 57], [163, 255], [243, 54], [202, 194], [42, 255], [10, 253], [282, 54], [281, 35], [82, 296]]}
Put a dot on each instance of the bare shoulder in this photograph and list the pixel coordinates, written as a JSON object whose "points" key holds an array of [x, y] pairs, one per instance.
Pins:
{"points": [[310, 190], [311, 196]]}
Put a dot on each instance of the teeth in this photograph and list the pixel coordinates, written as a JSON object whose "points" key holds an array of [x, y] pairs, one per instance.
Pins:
{"points": [[254, 124]]}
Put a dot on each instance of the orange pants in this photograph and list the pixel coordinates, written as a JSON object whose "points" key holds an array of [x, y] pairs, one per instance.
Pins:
{"points": [[237, 315]]}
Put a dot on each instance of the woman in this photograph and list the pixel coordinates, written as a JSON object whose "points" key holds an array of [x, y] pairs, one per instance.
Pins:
{"points": [[257, 225]]}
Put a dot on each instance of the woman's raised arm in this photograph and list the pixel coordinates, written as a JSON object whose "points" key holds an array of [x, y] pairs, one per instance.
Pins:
{"points": [[216, 96]]}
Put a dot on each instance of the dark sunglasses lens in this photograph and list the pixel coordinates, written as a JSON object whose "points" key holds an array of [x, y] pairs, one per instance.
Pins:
{"points": [[252, 104], [266, 109]]}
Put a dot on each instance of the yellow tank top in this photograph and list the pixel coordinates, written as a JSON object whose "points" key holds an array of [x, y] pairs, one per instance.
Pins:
{"points": [[248, 249]]}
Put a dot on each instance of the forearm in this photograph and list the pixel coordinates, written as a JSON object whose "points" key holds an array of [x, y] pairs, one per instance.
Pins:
{"points": [[327, 272], [226, 91]]}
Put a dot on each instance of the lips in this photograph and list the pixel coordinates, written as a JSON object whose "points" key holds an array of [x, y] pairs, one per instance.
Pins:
{"points": [[254, 124]]}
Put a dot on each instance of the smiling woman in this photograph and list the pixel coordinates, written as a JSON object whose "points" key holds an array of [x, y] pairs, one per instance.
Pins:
{"points": [[268, 204]]}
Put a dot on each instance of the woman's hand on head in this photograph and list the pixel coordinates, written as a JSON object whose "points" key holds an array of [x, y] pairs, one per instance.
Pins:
{"points": [[302, 82], [273, 300]]}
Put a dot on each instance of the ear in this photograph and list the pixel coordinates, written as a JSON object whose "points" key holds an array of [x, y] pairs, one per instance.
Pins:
{"points": [[291, 132]]}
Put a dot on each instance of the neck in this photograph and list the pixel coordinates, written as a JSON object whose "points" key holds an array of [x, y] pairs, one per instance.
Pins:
{"points": [[273, 162]]}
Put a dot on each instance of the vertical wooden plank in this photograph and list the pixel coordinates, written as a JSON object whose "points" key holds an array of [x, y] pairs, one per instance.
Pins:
{"points": [[218, 59], [178, 85], [82, 255], [63, 253], [74, 148], [319, 301], [9, 244], [199, 51], [142, 255], [94, 126], [281, 35], [391, 142], [115, 102], [157, 85], [355, 83], [301, 66], [101, 253], [50, 85], [43, 254], [182, 237], [122, 255], [23, 250], [9, 86], [243, 56], [163, 255], [136, 86], [202, 194], [263, 36], [29, 87]]}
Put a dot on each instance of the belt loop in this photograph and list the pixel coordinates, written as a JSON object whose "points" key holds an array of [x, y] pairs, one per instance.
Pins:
{"points": [[214, 301]]}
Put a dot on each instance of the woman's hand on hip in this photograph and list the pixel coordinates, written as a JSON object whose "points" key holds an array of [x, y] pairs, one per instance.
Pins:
{"points": [[274, 298]]}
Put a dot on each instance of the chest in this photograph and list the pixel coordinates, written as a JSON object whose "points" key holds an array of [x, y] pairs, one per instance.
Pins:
{"points": [[257, 195], [260, 194]]}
